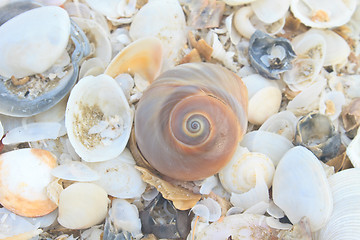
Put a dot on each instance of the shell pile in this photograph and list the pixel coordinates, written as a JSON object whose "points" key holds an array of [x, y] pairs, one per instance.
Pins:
{"points": [[179, 119]]}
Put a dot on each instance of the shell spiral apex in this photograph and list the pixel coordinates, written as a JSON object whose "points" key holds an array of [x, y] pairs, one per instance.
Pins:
{"points": [[190, 120]]}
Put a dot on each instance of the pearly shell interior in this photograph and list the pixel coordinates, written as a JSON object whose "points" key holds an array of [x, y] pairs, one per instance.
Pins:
{"points": [[190, 120]]}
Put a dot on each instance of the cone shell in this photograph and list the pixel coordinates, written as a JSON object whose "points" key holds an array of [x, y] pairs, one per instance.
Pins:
{"points": [[24, 176], [189, 121]]}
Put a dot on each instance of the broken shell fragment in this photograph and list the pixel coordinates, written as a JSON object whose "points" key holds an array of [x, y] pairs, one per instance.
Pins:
{"points": [[24, 176], [185, 113], [299, 172], [26, 62], [323, 13], [350, 116], [316, 132], [98, 118], [82, 205], [270, 56], [144, 57]]}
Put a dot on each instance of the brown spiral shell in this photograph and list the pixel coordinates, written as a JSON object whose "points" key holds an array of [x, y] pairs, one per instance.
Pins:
{"points": [[190, 120]]}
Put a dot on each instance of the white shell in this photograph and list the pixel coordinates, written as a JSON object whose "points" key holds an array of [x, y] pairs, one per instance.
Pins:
{"points": [[270, 11], [125, 217], [323, 13], [28, 38], [310, 49], [118, 176], [353, 150], [297, 173], [98, 118], [331, 104], [167, 25], [337, 49], [110, 8], [82, 205], [282, 123], [75, 171], [1, 130], [271, 144], [345, 220], [264, 98], [240, 174], [237, 2], [93, 66], [208, 209], [24, 176]]}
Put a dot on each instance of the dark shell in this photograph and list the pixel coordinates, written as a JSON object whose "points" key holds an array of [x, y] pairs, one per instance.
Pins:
{"points": [[316, 132], [261, 46]]}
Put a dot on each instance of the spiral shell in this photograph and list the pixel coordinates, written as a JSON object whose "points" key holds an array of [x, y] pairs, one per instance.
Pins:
{"points": [[190, 120]]}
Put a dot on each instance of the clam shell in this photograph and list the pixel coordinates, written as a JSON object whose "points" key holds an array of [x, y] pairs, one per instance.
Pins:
{"points": [[26, 55], [270, 11], [98, 118], [179, 120], [24, 175], [75, 171], [345, 219], [323, 13], [265, 142], [82, 205], [299, 172], [169, 26], [331, 104]]}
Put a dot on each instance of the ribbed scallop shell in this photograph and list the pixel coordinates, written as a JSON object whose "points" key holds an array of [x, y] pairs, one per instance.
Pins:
{"points": [[189, 121]]}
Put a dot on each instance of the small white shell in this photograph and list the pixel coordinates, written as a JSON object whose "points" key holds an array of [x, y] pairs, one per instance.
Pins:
{"points": [[353, 150], [24, 175], [82, 205], [125, 217], [110, 8], [323, 13], [93, 66], [167, 25], [299, 172], [310, 49], [1, 130], [242, 21], [271, 144], [118, 176], [38, 32], [240, 174], [270, 11], [75, 171], [98, 118], [345, 219], [208, 209], [331, 104], [282, 123]]}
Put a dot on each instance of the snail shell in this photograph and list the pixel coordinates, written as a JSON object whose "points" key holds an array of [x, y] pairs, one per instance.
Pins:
{"points": [[190, 120]]}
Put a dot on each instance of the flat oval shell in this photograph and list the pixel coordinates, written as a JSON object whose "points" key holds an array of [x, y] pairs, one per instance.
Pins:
{"points": [[28, 38], [299, 172], [24, 176], [98, 118], [270, 11], [82, 205]]}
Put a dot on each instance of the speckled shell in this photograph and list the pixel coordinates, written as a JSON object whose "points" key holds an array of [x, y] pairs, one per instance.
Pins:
{"points": [[205, 100]]}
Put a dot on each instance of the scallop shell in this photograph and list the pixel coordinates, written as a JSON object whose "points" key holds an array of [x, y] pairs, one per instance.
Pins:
{"points": [[24, 175], [98, 118], [323, 13], [185, 113], [240, 174], [299, 172], [82, 205], [345, 219], [169, 26]]}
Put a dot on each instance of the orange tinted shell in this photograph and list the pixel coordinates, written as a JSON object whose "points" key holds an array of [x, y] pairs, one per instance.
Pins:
{"points": [[190, 120]]}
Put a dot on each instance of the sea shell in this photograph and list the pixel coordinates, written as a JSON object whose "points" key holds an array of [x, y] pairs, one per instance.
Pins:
{"points": [[282, 123], [270, 11], [353, 150], [1, 130], [299, 172], [75, 171], [30, 97], [169, 26], [185, 113], [317, 133], [264, 142], [237, 2], [344, 221], [310, 49], [143, 56], [240, 174], [322, 13], [24, 174], [331, 104], [264, 98], [270, 56], [118, 176], [82, 205], [98, 118], [350, 116], [9, 10], [112, 9]]}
